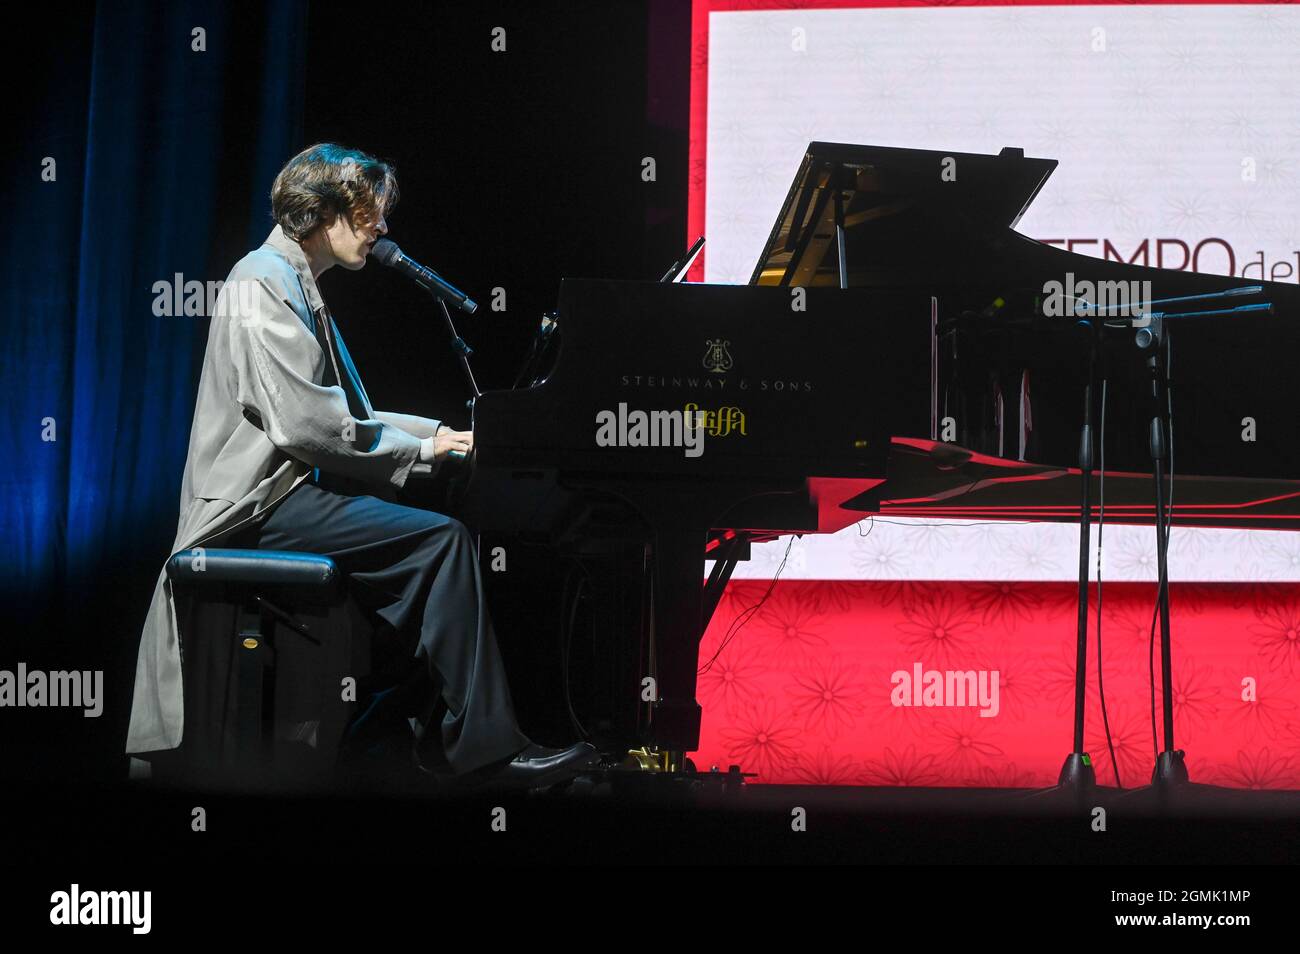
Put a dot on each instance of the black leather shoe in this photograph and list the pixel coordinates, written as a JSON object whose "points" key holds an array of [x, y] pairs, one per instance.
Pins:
{"points": [[537, 766]]}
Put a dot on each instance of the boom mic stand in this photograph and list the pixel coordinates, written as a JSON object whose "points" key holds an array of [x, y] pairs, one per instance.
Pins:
{"points": [[458, 345], [1169, 777], [1078, 776]]}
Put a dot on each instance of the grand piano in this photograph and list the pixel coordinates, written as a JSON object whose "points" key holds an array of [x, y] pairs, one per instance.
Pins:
{"points": [[886, 357]]}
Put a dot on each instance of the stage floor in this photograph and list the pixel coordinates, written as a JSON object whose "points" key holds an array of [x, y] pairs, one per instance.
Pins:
{"points": [[653, 819]]}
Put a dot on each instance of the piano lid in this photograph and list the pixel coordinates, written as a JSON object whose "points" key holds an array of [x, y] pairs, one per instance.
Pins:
{"points": [[903, 210]]}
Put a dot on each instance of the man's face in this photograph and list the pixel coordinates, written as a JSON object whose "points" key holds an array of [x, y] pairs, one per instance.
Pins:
{"points": [[349, 239]]}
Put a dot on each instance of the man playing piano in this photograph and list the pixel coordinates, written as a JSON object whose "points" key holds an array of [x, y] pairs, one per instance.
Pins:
{"points": [[287, 453]]}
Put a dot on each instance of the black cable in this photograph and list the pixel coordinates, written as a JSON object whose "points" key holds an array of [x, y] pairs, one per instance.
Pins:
{"points": [[565, 634], [1164, 523], [747, 614], [568, 696], [1101, 527], [566, 638], [974, 523], [1151, 673]]}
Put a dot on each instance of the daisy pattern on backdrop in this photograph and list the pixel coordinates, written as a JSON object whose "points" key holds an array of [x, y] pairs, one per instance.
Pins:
{"points": [[1005, 603], [1034, 556], [1130, 736], [790, 627], [1056, 677], [1016, 682], [1257, 705], [1262, 769], [1277, 637], [827, 768], [733, 680], [1196, 699], [764, 740], [1007, 775], [937, 631], [828, 696], [880, 556], [966, 741], [890, 721], [835, 596], [904, 767]]}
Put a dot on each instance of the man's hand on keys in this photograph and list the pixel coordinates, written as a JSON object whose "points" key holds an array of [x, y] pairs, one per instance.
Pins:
{"points": [[446, 444]]}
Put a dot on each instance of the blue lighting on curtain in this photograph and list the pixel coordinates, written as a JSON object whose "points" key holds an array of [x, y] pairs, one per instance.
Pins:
{"points": [[164, 157]]}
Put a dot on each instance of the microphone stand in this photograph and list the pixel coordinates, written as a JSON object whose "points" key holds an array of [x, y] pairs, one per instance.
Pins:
{"points": [[459, 485], [1169, 778], [458, 345], [1078, 777], [1170, 768]]}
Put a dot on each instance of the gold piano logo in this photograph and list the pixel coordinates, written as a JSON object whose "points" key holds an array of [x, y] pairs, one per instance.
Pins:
{"points": [[717, 359], [719, 423]]}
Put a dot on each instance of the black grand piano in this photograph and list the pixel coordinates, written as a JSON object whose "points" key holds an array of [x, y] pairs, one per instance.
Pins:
{"points": [[891, 303]]}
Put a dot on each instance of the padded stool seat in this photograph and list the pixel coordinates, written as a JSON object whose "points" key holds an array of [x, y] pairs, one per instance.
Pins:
{"points": [[261, 567], [269, 640]]}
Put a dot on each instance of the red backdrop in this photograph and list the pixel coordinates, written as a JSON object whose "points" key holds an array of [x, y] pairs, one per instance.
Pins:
{"points": [[801, 692]]}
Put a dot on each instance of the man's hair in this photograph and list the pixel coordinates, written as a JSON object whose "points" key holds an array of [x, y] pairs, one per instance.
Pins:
{"points": [[327, 180]]}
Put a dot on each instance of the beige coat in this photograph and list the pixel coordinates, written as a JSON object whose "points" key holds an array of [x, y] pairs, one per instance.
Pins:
{"points": [[262, 422]]}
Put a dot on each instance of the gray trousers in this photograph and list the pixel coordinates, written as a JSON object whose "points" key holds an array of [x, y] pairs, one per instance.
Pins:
{"points": [[419, 571]]}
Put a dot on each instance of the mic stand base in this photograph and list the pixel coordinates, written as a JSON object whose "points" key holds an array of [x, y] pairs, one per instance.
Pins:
{"points": [[1076, 786], [1170, 770], [1077, 772], [1170, 787]]}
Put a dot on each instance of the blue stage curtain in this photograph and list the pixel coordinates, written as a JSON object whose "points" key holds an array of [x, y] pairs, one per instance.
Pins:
{"points": [[164, 157]]}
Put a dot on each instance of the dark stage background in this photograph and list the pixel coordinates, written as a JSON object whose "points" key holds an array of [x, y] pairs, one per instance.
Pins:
{"points": [[516, 169]]}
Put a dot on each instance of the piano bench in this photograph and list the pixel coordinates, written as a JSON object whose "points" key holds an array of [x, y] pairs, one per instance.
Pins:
{"points": [[267, 639]]}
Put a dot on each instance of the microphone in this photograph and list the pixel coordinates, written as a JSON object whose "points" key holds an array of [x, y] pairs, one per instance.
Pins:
{"points": [[387, 253]]}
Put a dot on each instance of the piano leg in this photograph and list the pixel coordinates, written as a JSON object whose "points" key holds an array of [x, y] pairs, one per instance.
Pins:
{"points": [[677, 629]]}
